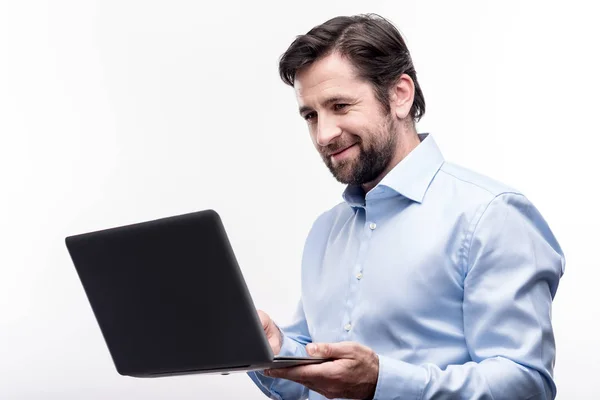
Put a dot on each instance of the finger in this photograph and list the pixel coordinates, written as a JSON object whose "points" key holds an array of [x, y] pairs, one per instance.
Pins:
{"points": [[349, 350], [291, 373], [264, 318], [275, 343], [273, 339], [299, 373]]}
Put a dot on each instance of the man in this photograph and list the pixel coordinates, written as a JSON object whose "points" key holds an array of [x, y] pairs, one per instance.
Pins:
{"points": [[429, 281]]}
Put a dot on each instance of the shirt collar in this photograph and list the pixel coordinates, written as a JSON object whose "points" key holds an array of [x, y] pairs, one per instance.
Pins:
{"points": [[410, 177]]}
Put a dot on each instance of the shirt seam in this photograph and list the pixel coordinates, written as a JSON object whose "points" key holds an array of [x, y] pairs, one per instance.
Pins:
{"points": [[473, 228], [468, 243], [477, 185]]}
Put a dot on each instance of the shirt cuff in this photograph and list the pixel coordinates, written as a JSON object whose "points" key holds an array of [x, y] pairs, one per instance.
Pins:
{"points": [[291, 348], [275, 388], [399, 380]]}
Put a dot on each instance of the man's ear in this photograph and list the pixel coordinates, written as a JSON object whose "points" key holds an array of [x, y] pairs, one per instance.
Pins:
{"points": [[402, 95]]}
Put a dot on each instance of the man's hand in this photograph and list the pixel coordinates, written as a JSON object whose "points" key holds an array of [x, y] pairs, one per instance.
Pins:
{"points": [[273, 333], [351, 375]]}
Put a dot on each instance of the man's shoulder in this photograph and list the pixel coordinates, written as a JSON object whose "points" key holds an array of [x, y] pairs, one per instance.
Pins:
{"points": [[473, 182]]}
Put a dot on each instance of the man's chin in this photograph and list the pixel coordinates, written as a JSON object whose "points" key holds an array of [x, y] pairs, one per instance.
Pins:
{"points": [[344, 178]]}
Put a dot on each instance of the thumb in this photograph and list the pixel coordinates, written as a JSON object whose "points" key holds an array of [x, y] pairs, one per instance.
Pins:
{"points": [[331, 350]]}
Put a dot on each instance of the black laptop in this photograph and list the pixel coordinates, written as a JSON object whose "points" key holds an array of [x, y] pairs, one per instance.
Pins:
{"points": [[170, 298]]}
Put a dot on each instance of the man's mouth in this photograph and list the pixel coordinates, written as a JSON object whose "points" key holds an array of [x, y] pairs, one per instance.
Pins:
{"points": [[341, 153], [335, 153]]}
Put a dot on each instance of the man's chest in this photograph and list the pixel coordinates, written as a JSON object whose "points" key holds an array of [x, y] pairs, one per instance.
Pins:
{"points": [[389, 275]]}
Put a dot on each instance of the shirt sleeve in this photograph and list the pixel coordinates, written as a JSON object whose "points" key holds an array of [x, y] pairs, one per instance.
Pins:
{"points": [[295, 339], [512, 265]]}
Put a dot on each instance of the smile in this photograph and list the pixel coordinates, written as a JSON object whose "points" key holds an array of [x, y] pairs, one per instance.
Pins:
{"points": [[339, 155]]}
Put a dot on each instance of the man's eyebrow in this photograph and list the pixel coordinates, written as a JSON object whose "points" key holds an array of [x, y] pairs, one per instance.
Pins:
{"points": [[304, 109], [327, 102]]}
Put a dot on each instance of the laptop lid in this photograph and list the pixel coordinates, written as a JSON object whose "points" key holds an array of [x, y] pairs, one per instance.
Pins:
{"points": [[169, 296]]}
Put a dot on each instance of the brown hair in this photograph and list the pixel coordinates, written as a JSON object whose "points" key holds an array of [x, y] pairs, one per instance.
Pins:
{"points": [[373, 45]]}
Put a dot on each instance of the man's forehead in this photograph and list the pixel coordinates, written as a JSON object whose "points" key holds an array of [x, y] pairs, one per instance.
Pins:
{"points": [[327, 71], [323, 89], [326, 77]]}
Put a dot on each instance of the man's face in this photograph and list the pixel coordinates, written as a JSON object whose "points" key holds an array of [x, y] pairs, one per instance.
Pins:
{"points": [[347, 124]]}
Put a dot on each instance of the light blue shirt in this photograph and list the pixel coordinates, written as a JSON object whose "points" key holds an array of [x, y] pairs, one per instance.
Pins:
{"points": [[446, 274]]}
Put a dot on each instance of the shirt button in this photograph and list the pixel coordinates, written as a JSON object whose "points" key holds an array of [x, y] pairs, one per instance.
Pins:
{"points": [[372, 225], [347, 327], [359, 276]]}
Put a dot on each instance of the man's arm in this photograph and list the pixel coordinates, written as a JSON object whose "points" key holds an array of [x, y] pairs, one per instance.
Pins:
{"points": [[512, 266], [295, 337]]}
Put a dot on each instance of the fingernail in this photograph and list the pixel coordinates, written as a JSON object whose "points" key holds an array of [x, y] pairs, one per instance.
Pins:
{"points": [[312, 348]]}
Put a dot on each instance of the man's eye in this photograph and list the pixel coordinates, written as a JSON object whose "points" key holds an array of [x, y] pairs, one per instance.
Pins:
{"points": [[339, 107], [309, 116]]}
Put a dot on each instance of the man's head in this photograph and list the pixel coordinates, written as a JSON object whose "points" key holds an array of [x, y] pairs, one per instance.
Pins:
{"points": [[356, 86]]}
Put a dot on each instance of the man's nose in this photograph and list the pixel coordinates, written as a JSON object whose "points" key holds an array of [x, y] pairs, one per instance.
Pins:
{"points": [[327, 130]]}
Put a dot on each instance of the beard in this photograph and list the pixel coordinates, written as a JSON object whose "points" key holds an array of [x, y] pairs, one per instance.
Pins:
{"points": [[373, 158]]}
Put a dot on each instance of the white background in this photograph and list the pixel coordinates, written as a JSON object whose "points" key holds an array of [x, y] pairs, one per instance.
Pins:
{"points": [[114, 112]]}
